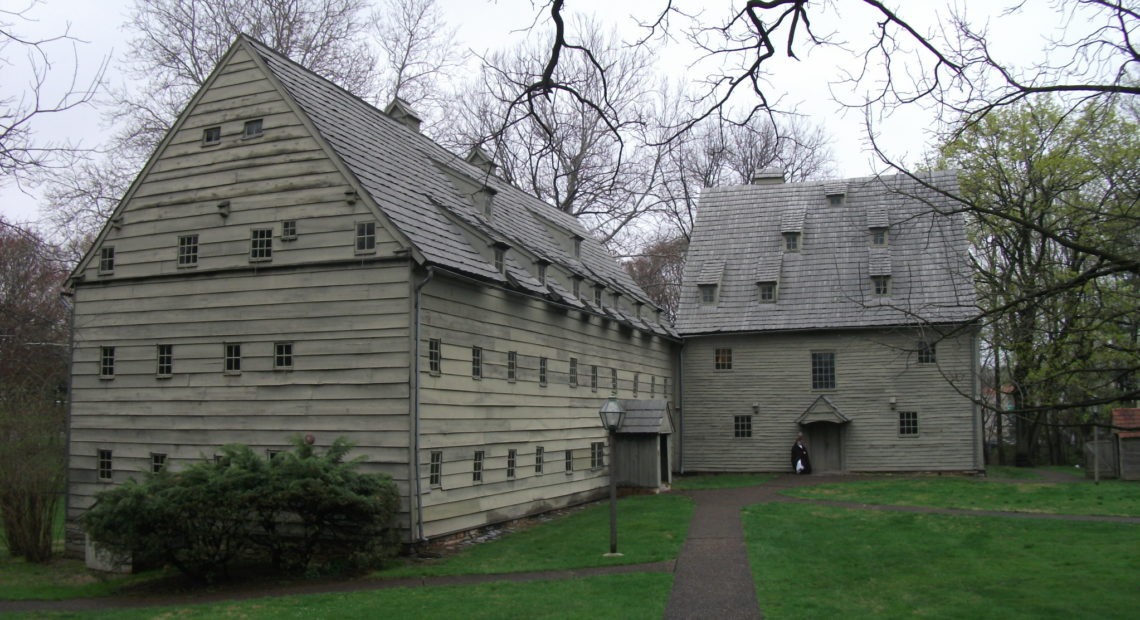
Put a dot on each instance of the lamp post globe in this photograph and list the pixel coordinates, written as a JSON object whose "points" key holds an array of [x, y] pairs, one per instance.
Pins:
{"points": [[612, 414]]}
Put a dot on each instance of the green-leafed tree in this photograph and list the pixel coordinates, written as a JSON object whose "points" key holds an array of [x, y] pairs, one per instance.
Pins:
{"points": [[1051, 197]]}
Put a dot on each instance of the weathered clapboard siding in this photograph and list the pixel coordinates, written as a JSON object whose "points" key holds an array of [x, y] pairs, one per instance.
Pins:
{"points": [[459, 414], [774, 372], [349, 377], [283, 174]]}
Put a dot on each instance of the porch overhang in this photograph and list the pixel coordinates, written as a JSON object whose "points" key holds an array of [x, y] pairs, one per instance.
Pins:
{"points": [[646, 417], [822, 410]]}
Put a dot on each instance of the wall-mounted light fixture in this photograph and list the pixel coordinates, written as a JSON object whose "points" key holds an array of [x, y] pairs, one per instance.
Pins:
{"points": [[224, 208]]}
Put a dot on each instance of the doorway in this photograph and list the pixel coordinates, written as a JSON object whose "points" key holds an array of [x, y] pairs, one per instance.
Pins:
{"points": [[825, 445]]}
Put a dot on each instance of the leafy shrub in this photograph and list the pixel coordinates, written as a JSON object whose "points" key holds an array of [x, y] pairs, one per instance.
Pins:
{"points": [[295, 508]]}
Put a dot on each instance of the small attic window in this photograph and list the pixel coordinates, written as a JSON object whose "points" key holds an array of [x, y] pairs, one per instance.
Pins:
{"points": [[708, 293], [211, 136], [598, 295], [365, 237], [107, 259], [835, 200], [253, 128], [288, 230], [500, 258], [766, 292], [616, 300], [792, 241], [541, 273], [484, 200], [879, 237], [577, 246], [577, 284]]}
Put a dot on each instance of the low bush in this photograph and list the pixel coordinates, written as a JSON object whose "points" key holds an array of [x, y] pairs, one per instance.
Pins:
{"points": [[299, 510]]}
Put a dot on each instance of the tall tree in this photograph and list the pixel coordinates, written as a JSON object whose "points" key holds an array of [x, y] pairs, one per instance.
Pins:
{"points": [[24, 104], [33, 380], [1048, 195]]}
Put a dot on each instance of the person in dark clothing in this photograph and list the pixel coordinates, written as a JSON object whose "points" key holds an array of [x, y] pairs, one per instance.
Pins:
{"points": [[801, 463]]}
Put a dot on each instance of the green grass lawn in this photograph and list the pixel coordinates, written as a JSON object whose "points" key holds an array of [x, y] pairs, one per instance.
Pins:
{"points": [[719, 481], [1110, 497], [638, 595], [817, 562], [651, 528]]}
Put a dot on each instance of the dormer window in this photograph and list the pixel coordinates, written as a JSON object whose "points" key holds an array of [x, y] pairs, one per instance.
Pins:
{"points": [[767, 292], [598, 296], [792, 241], [577, 284], [882, 285], [211, 136], [485, 201], [617, 301], [879, 237], [577, 246], [500, 259], [835, 200], [252, 129], [708, 293], [541, 273]]}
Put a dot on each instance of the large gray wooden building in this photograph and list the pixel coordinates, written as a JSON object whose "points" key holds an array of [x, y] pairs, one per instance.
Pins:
{"points": [[292, 260], [841, 309]]}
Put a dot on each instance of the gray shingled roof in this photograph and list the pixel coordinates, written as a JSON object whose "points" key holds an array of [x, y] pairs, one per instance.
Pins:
{"points": [[427, 192], [645, 416], [827, 284]]}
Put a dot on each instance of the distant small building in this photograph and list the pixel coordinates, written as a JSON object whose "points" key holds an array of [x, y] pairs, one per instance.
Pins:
{"points": [[840, 309], [1127, 442]]}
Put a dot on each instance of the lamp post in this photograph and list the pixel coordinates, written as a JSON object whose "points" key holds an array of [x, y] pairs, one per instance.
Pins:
{"points": [[611, 414]]}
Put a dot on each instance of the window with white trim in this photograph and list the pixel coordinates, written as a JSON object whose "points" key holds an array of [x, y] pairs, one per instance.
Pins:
{"points": [[573, 372], [104, 465], [164, 354], [613, 379], [261, 244], [157, 462], [879, 236], [288, 230], [365, 237], [477, 466], [708, 293], [211, 136], [766, 292], [542, 372], [435, 468], [512, 366], [881, 285], [435, 356], [282, 356], [539, 456], [597, 455], [512, 462], [107, 259], [908, 423], [253, 128], [232, 358], [742, 426], [106, 362], [568, 461], [188, 251], [593, 378], [792, 241], [926, 354], [723, 359], [476, 362], [822, 370]]}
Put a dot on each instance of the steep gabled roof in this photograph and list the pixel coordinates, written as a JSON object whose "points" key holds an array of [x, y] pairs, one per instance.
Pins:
{"points": [[827, 282], [429, 193]]}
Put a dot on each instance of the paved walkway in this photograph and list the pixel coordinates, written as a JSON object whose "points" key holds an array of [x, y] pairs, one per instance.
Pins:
{"points": [[711, 576]]}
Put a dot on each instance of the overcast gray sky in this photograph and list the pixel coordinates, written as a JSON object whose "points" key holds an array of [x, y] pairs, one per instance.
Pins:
{"points": [[808, 87]]}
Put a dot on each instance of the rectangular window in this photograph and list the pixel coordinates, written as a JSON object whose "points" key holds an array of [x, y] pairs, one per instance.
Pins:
{"points": [[500, 260], [253, 128], [823, 371], [881, 284], [477, 469], [435, 356], [233, 358], [835, 200], [165, 356], [742, 426], [577, 284], [665, 389], [926, 353], [597, 455], [157, 462], [512, 366], [271, 453], [598, 296], [288, 230], [188, 251], [879, 237], [636, 382], [573, 372], [542, 273], [767, 292], [577, 247], [568, 461], [653, 386], [107, 259], [435, 468], [542, 371], [365, 237], [723, 359], [708, 293], [908, 423], [512, 462], [539, 455], [261, 244], [211, 136], [792, 241], [104, 464], [106, 362], [613, 380], [283, 356], [476, 362], [593, 378]]}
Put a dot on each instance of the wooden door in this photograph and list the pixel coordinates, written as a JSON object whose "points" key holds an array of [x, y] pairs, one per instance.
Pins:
{"points": [[825, 446]]}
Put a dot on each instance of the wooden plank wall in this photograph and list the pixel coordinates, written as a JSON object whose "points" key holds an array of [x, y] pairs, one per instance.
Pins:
{"points": [[460, 415], [774, 372]]}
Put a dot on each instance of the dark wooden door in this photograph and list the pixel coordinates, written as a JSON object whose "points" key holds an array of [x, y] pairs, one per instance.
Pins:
{"points": [[825, 446]]}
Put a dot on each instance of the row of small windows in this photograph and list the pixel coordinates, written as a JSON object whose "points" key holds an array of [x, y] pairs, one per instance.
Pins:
{"points": [[435, 367], [878, 237], [823, 363], [231, 359], [768, 292], [105, 462], [260, 245], [479, 463], [908, 425], [212, 136]]}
